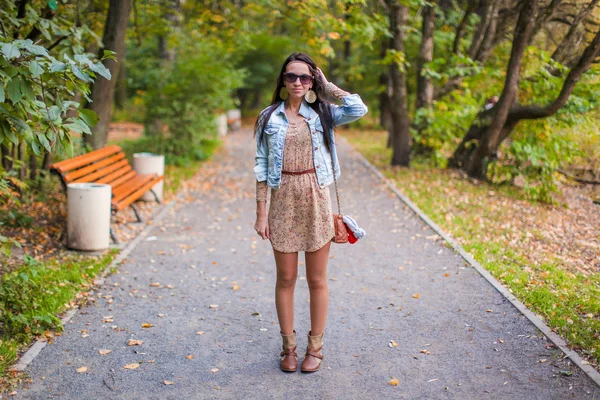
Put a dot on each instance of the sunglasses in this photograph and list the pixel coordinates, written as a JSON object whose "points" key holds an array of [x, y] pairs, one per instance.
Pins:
{"points": [[291, 78]]}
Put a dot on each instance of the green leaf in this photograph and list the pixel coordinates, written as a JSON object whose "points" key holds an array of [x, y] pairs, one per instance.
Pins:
{"points": [[53, 113], [80, 74], [35, 68], [20, 125], [10, 51], [79, 126], [58, 66], [52, 5], [100, 69], [32, 48], [2, 97], [35, 148], [13, 89], [27, 90], [89, 117], [44, 141]]}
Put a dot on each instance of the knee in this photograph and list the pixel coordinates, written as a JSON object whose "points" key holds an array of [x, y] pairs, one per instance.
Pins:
{"points": [[317, 282], [287, 281]]}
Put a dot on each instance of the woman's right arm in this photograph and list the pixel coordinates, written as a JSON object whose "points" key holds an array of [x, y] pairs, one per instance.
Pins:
{"points": [[260, 170]]}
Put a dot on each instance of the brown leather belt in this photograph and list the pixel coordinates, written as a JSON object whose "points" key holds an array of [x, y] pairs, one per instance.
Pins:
{"points": [[298, 172]]}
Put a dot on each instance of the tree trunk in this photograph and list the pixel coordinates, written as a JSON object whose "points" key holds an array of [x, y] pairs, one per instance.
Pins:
{"points": [[424, 85], [400, 127], [121, 89], [103, 89], [384, 97], [5, 152], [33, 167], [22, 163], [486, 147], [47, 161], [565, 49], [460, 30]]}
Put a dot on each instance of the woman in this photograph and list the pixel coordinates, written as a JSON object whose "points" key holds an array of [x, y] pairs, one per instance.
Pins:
{"points": [[296, 157]]}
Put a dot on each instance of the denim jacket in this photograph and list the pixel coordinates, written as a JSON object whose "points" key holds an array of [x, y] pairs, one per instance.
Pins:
{"points": [[269, 150]]}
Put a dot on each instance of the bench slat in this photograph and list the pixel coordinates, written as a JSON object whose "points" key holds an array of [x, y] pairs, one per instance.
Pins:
{"points": [[114, 175], [137, 194], [122, 180], [85, 159], [93, 177], [130, 186], [94, 167]]}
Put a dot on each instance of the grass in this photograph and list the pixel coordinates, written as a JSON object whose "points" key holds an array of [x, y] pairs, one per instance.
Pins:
{"points": [[482, 219], [34, 294]]}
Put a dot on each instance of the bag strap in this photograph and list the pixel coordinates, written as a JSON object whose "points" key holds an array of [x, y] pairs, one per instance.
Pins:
{"points": [[337, 194]]}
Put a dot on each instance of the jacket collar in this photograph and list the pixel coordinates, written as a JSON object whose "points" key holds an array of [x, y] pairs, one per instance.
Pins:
{"points": [[305, 110]]}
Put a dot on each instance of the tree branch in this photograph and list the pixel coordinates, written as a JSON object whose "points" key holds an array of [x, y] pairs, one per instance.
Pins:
{"points": [[535, 111]]}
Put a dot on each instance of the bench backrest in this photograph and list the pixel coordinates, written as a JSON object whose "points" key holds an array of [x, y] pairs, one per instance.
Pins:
{"points": [[107, 165]]}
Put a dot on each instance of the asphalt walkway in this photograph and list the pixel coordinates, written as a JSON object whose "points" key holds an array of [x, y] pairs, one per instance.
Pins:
{"points": [[402, 306]]}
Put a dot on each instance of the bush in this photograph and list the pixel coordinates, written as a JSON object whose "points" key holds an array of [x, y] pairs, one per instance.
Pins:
{"points": [[181, 108]]}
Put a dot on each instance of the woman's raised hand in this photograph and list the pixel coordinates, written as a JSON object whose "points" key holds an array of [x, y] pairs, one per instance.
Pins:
{"points": [[322, 76]]}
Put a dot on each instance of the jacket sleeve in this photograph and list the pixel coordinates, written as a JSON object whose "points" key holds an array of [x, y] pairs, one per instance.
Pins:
{"points": [[352, 107], [260, 160]]}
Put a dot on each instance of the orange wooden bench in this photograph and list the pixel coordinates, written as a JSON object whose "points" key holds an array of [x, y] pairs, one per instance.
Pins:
{"points": [[108, 165]]}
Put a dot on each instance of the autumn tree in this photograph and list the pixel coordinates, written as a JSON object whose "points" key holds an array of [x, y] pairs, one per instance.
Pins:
{"points": [[103, 90], [479, 148]]}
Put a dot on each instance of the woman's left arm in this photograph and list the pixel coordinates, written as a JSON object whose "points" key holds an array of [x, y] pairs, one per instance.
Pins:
{"points": [[352, 107]]}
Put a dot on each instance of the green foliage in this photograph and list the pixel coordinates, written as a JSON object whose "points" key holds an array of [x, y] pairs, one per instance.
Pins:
{"points": [[37, 84], [181, 107], [32, 295]]}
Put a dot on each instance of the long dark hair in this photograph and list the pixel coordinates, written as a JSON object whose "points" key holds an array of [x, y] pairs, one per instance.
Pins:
{"points": [[321, 107]]}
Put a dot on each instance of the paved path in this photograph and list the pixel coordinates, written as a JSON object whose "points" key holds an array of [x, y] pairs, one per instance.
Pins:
{"points": [[457, 337]]}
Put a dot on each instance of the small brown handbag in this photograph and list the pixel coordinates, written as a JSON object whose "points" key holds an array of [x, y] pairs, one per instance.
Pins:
{"points": [[341, 233]]}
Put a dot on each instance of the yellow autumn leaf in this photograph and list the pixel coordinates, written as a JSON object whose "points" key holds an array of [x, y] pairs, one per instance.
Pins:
{"points": [[168, 383], [146, 325], [155, 284], [82, 369], [132, 366], [190, 357], [104, 352], [416, 295], [334, 35], [134, 342], [236, 287], [200, 333], [394, 382]]}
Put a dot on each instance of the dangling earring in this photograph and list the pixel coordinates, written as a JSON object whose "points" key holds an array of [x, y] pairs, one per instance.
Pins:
{"points": [[310, 96], [283, 93]]}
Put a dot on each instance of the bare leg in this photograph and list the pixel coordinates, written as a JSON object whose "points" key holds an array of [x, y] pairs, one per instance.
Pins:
{"points": [[316, 276], [287, 273]]}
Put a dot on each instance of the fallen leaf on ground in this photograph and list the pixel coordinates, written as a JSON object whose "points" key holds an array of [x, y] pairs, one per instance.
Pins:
{"points": [[424, 351], [134, 342], [394, 382], [393, 343], [214, 306], [190, 357], [489, 310], [200, 333], [214, 370], [104, 352], [155, 284], [416, 296], [168, 383], [132, 366], [82, 369], [161, 315], [146, 325], [236, 287]]}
